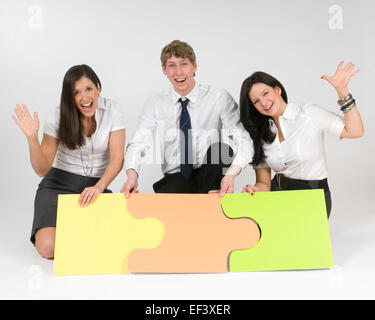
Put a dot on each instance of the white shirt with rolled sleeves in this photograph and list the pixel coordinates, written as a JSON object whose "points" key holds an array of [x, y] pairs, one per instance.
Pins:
{"points": [[109, 117], [213, 114], [301, 155]]}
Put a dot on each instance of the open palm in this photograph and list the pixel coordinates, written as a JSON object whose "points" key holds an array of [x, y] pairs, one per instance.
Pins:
{"points": [[340, 79], [28, 125]]}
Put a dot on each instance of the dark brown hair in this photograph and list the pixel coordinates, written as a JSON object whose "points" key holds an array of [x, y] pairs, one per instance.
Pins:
{"points": [[71, 133]]}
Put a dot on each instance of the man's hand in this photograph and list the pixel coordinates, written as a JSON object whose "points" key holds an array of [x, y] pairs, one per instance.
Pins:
{"points": [[131, 183], [226, 186]]}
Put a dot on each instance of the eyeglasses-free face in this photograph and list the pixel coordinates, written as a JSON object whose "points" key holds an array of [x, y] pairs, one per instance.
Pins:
{"points": [[86, 95], [267, 100], [180, 72]]}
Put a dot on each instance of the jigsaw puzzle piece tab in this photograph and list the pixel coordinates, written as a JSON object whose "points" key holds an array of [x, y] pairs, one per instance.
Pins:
{"points": [[198, 236], [98, 239]]}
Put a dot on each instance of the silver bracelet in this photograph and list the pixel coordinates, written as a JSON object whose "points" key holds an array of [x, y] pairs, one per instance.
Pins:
{"points": [[347, 105], [349, 109], [345, 100]]}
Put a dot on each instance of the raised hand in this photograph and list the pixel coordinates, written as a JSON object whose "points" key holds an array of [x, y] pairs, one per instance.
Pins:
{"points": [[340, 79], [28, 125]]}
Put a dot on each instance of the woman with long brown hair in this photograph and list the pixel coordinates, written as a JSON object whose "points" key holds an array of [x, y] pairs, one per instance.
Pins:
{"points": [[289, 137], [82, 150]]}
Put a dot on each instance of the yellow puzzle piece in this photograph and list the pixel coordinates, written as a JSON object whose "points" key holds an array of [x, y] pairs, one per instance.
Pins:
{"points": [[103, 244]]}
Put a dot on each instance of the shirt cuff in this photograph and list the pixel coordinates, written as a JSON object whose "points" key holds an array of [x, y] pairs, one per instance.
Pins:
{"points": [[234, 170], [132, 162], [240, 161]]}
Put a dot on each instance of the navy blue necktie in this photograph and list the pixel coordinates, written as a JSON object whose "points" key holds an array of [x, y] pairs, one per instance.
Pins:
{"points": [[186, 166]]}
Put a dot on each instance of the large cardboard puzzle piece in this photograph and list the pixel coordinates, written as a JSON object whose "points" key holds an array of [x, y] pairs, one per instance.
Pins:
{"points": [[98, 239], [198, 236], [294, 227], [185, 233]]}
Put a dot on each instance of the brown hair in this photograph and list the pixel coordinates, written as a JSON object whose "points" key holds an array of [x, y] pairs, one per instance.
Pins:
{"points": [[71, 133], [178, 49]]}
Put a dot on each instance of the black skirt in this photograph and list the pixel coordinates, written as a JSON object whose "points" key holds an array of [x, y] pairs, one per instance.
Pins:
{"points": [[280, 182], [56, 182]]}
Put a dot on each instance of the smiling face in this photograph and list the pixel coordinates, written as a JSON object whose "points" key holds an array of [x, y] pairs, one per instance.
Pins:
{"points": [[86, 95], [267, 100], [180, 72]]}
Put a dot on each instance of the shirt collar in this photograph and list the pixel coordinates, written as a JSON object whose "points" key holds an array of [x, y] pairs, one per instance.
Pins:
{"points": [[192, 95], [290, 112], [101, 103]]}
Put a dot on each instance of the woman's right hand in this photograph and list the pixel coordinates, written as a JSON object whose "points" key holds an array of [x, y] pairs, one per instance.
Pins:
{"points": [[28, 125]]}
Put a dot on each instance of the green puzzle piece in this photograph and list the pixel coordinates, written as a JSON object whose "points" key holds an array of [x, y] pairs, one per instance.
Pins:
{"points": [[294, 230]]}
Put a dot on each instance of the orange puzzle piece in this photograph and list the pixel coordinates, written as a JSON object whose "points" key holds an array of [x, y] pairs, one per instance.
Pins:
{"points": [[198, 237]]}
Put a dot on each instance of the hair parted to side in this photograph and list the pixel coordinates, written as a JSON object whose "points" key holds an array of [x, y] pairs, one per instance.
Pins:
{"points": [[179, 49], [71, 133], [254, 122]]}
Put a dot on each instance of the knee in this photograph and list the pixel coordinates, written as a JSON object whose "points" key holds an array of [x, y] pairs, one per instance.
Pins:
{"points": [[45, 246]]}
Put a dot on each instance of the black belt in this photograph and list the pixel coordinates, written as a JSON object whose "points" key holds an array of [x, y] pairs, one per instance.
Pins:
{"points": [[285, 183]]}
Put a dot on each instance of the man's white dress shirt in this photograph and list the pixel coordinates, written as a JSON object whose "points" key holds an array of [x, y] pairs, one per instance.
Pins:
{"points": [[213, 114]]}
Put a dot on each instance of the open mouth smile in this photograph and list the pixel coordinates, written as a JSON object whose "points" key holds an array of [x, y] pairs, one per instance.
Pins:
{"points": [[269, 107], [87, 105], [180, 80]]}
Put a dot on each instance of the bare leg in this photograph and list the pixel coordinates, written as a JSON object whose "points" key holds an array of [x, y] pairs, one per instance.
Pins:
{"points": [[45, 242]]}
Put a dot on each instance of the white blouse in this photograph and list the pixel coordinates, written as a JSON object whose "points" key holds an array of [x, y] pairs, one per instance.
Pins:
{"points": [[92, 158], [301, 155]]}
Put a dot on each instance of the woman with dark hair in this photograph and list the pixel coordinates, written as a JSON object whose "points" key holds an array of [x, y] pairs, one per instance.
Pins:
{"points": [[289, 138], [82, 150]]}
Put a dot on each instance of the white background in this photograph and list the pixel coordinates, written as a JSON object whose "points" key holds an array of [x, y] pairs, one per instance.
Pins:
{"points": [[296, 41]]}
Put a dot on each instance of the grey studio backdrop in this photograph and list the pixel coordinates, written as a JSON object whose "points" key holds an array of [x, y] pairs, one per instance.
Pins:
{"points": [[296, 41]]}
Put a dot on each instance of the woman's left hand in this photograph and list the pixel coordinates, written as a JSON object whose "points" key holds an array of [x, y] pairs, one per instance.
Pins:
{"points": [[250, 189], [340, 79], [88, 195]]}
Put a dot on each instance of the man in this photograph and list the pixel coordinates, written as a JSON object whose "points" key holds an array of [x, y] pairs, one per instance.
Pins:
{"points": [[189, 118]]}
